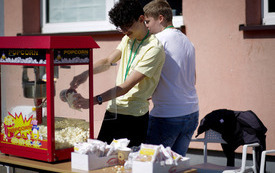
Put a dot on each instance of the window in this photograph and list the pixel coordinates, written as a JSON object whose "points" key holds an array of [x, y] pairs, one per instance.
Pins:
{"points": [[68, 16], [268, 9], [64, 16]]}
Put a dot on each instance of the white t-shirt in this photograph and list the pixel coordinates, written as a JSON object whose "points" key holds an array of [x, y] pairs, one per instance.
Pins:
{"points": [[176, 94]]}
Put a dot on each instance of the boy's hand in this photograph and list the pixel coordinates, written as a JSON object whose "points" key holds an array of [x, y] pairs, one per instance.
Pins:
{"points": [[80, 102], [79, 79]]}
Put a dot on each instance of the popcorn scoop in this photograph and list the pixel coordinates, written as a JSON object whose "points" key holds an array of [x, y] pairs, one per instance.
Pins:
{"points": [[65, 93]]}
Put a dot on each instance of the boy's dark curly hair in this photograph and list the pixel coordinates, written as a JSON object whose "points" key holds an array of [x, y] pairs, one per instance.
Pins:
{"points": [[125, 13]]}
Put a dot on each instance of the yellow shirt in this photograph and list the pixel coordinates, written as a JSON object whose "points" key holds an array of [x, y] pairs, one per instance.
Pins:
{"points": [[149, 60]]}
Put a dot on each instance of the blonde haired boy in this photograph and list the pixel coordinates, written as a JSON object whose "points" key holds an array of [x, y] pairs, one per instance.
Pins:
{"points": [[174, 116]]}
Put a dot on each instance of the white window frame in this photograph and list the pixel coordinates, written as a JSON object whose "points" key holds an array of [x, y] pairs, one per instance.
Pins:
{"points": [[178, 21], [71, 27], [268, 18], [93, 26]]}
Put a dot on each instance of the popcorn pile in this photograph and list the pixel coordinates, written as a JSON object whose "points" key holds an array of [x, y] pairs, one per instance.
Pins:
{"points": [[61, 123], [67, 132], [99, 148], [72, 60], [28, 60]]}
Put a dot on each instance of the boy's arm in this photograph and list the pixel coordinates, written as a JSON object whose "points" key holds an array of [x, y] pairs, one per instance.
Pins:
{"points": [[134, 78], [104, 64], [100, 66]]}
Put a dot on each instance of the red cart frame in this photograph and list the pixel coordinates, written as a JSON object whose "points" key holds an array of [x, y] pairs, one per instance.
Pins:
{"points": [[49, 43]]}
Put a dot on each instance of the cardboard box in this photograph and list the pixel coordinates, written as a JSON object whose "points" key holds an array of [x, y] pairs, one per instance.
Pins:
{"points": [[147, 167], [91, 162]]}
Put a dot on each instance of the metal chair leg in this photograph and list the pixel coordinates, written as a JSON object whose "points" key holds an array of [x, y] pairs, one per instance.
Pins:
{"points": [[10, 169], [262, 168]]}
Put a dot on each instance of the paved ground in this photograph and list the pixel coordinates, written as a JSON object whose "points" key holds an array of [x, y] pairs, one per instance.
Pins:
{"points": [[218, 158]]}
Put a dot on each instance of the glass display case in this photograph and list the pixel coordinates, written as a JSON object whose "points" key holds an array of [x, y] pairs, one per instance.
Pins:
{"points": [[38, 119]]}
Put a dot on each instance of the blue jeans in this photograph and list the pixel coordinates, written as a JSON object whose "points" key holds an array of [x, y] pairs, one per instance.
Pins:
{"points": [[174, 132]]}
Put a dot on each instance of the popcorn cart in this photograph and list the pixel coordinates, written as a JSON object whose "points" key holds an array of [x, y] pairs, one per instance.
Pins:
{"points": [[35, 122]]}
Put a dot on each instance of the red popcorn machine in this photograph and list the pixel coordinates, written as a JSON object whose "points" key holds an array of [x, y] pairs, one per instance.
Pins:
{"points": [[35, 122]]}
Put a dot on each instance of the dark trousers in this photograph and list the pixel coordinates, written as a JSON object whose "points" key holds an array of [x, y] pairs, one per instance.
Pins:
{"points": [[131, 127]]}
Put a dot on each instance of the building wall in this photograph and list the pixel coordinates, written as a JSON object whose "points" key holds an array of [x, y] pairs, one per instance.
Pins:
{"points": [[1, 17], [234, 71], [13, 17]]}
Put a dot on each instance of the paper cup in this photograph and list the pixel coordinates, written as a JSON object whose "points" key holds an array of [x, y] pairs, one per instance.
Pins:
{"points": [[123, 154]]}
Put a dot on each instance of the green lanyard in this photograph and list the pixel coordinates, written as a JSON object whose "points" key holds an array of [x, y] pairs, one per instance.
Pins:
{"points": [[130, 56], [171, 26]]}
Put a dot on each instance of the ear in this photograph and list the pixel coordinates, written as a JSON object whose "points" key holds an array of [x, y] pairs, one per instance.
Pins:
{"points": [[141, 18], [161, 18]]}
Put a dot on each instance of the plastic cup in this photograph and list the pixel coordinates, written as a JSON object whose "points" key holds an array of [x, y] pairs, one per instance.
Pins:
{"points": [[123, 154], [64, 94]]}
